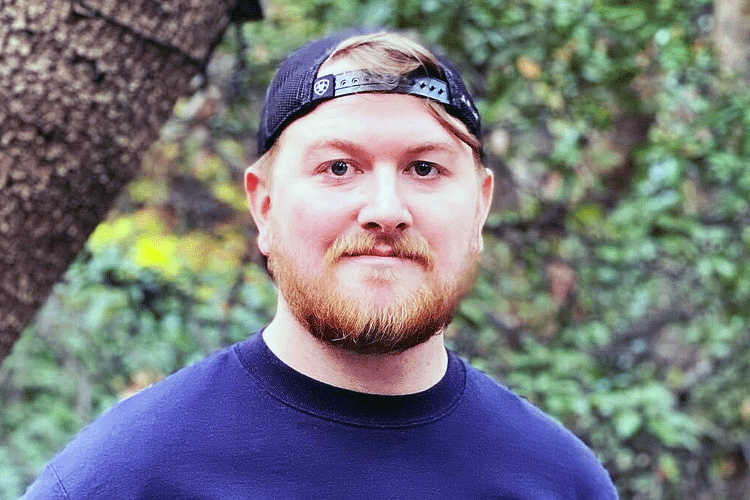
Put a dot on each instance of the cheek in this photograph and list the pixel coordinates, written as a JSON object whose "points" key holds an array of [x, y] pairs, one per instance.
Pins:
{"points": [[313, 225], [451, 227]]}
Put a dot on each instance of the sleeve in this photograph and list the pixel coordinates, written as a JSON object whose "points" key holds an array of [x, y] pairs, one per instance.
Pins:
{"points": [[48, 486]]}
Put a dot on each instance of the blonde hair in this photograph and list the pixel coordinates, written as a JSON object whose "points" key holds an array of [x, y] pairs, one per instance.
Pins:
{"points": [[385, 53], [391, 54]]}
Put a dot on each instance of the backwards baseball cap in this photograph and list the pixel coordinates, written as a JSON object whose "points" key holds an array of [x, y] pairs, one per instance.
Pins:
{"points": [[297, 88]]}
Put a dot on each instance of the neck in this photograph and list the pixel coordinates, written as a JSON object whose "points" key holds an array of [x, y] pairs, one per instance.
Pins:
{"points": [[414, 370]]}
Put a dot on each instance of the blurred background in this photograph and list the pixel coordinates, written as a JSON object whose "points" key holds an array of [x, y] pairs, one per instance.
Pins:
{"points": [[615, 286]]}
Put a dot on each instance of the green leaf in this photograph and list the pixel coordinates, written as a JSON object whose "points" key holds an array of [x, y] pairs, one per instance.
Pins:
{"points": [[627, 423]]}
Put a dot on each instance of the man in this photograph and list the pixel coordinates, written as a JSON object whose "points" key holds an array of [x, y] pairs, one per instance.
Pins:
{"points": [[369, 198]]}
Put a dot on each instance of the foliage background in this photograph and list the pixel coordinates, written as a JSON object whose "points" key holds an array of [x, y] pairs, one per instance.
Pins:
{"points": [[614, 292]]}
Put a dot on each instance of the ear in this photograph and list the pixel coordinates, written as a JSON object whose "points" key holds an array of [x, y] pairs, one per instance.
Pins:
{"points": [[259, 200], [487, 188]]}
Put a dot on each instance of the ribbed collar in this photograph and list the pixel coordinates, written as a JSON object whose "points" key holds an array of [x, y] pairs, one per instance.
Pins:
{"points": [[354, 408]]}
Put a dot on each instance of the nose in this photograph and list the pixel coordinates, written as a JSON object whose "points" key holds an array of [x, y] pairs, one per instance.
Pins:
{"points": [[384, 209]]}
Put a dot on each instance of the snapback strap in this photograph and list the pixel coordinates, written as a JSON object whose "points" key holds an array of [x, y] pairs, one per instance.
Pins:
{"points": [[351, 82]]}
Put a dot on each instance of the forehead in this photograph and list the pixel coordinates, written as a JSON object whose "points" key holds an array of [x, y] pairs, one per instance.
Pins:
{"points": [[379, 122]]}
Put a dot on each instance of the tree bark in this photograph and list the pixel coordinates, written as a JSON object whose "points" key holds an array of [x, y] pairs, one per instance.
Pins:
{"points": [[732, 36], [85, 86]]}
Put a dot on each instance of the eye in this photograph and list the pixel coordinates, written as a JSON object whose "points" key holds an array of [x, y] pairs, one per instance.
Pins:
{"points": [[339, 167], [424, 169]]}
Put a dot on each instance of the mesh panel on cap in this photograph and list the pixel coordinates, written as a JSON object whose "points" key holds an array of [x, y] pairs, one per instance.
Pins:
{"points": [[289, 94]]}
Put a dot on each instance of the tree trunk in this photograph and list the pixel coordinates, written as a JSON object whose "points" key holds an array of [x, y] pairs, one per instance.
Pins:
{"points": [[85, 86], [732, 36]]}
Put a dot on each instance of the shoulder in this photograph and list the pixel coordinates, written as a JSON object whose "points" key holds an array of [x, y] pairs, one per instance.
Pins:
{"points": [[540, 443], [143, 436], [516, 415]]}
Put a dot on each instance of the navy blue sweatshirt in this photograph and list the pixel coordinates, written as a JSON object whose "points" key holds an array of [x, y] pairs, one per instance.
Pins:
{"points": [[243, 425]]}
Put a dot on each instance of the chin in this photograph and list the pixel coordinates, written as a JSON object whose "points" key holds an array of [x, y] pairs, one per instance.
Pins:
{"points": [[373, 339], [382, 285]]}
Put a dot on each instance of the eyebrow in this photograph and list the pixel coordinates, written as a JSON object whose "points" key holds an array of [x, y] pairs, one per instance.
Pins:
{"points": [[352, 147], [434, 146], [341, 145]]}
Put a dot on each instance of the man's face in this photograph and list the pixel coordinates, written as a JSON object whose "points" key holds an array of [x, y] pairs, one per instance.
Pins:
{"points": [[372, 223]]}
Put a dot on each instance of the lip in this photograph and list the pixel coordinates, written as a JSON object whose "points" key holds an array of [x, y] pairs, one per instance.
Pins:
{"points": [[378, 253], [375, 256], [380, 250], [376, 259], [382, 253]]}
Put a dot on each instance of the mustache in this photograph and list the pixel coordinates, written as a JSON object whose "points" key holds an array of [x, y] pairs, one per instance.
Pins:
{"points": [[411, 247]]}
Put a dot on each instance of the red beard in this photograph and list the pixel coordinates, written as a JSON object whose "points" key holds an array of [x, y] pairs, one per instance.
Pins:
{"points": [[343, 321]]}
